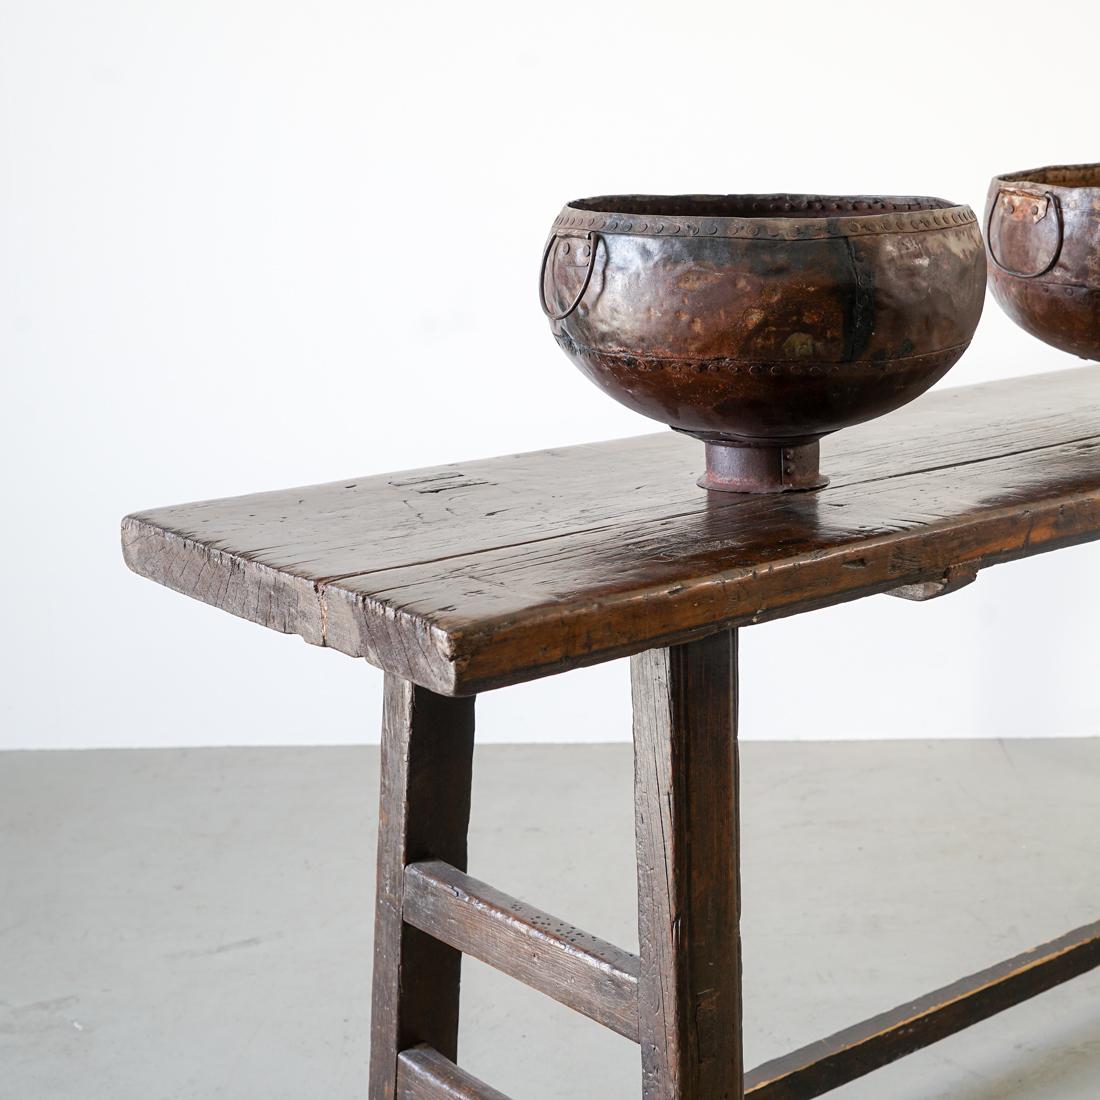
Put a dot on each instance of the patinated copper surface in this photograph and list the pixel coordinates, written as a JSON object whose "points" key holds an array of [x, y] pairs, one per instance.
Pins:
{"points": [[759, 323], [1044, 251]]}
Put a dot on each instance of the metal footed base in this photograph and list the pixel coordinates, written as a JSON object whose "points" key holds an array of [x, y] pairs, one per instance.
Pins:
{"points": [[736, 468]]}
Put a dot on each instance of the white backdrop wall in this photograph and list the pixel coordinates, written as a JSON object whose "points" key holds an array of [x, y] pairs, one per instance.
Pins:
{"points": [[246, 245]]}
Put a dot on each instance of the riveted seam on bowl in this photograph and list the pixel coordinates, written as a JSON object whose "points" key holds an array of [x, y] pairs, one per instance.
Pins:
{"points": [[801, 229], [1048, 285], [772, 366]]}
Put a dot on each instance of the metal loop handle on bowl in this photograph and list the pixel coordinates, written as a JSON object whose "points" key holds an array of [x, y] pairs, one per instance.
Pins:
{"points": [[1052, 204], [593, 240]]}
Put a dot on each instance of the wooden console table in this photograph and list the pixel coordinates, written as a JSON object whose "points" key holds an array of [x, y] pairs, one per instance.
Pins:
{"points": [[462, 578]]}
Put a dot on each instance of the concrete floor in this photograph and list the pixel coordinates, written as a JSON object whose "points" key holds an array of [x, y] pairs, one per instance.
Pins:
{"points": [[196, 924]]}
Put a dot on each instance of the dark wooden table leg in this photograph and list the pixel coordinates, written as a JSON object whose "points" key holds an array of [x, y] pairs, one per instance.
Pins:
{"points": [[685, 738], [427, 758]]}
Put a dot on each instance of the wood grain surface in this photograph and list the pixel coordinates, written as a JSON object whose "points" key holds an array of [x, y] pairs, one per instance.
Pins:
{"points": [[689, 890], [424, 811], [579, 970], [471, 576], [867, 1046], [424, 1074]]}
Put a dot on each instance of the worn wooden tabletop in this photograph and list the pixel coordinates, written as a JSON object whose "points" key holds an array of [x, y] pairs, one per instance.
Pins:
{"points": [[479, 574]]}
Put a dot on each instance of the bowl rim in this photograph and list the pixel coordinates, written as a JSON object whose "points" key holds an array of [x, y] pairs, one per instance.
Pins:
{"points": [[1057, 177], [780, 215]]}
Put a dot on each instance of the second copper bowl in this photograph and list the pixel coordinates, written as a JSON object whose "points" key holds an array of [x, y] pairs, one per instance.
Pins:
{"points": [[1044, 250], [759, 323]]}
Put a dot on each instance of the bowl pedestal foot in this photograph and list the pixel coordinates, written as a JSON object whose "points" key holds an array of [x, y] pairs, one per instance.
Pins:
{"points": [[736, 468]]}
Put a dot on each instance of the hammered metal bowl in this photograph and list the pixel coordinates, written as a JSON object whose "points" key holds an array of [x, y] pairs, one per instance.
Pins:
{"points": [[760, 323], [1044, 251]]}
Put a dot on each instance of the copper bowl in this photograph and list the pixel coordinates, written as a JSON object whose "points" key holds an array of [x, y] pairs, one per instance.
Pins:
{"points": [[760, 323], [1044, 251]]}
